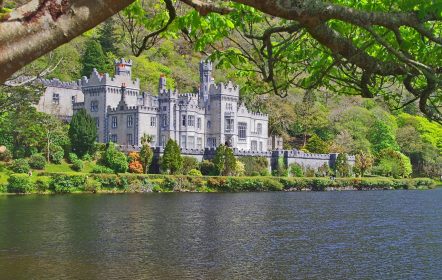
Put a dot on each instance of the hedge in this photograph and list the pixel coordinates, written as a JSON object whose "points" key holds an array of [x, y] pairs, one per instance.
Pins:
{"points": [[74, 182]]}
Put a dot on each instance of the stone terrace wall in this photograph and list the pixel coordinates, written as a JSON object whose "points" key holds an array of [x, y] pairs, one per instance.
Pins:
{"points": [[307, 160]]}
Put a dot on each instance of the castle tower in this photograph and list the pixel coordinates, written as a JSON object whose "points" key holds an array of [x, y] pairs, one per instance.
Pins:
{"points": [[205, 79], [123, 67], [162, 83]]}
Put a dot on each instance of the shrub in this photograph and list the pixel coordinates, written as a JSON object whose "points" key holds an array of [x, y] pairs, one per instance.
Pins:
{"points": [[3, 188], [281, 169], [87, 157], [6, 156], [189, 163], [195, 172], [72, 157], [37, 161], [207, 168], [20, 166], [136, 167], [296, 170], [42, 184], [56, 154], [19, 183], [253, 165], [100, 169], [108, 181], [67, 183], [114, 159], [92, 185], [77, 165], [133, 156]]}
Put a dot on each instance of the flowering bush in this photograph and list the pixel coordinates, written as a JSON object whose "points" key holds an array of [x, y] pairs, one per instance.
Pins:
{"points": [[135, 167]]}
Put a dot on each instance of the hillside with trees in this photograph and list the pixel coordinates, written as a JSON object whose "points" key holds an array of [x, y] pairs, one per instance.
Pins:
{"points": [[280, 69]]}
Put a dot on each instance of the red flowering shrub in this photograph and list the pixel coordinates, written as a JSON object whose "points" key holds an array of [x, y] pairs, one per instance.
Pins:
{"points": [[136, 167]]}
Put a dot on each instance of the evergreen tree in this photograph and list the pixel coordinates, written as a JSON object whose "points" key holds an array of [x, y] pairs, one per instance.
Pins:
{"points": [[146, 153], [172, 161], [342, 168], [225, 161], [93, 57], [82, 133], [107, 37]]}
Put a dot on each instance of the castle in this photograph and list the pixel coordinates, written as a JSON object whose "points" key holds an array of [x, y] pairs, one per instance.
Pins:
{"points": [[198, 122], [123, 114]]}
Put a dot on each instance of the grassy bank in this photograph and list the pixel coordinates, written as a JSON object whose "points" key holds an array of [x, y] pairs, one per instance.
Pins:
{"points": [[75, 182]]}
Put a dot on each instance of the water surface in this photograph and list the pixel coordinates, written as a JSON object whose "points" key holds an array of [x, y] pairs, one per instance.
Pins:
{"points": [[340, 235]]}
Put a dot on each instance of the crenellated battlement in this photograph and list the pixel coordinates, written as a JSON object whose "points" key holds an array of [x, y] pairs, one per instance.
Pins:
{"points": [[59, 84]]}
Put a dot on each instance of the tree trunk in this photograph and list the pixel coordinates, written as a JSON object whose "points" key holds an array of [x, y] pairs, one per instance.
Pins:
{"points": [[40, 26]]}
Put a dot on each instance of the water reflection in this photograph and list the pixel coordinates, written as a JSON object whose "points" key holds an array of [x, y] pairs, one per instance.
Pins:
{"points": [[222, 236]]}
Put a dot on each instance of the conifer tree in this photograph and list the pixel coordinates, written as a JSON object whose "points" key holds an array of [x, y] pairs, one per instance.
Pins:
{"points": [[107, 37], [93, 57], [146, 153], [172, 161], [82, 133], [342, 167], [224, 161]]}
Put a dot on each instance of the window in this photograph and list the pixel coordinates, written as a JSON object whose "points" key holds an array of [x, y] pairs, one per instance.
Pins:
{"points": [[228, 124], [164, 108], [164, 121], [97, 122], [199, 143], [242, 130], [94, 106], [55, 98], [114, 138], [130, 121], [183, 141], [183, 120], [259, 129], [191, 142], [74, 99], [229, 107], [260, 146], [130, 139], [209, 124], [153, 140], [163, 141], [254, 146], [190, 120], [114, 122], [211, 142], [153, 121], [198, 123]]}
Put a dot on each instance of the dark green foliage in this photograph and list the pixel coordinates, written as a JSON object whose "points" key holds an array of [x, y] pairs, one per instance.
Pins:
{"points": [[172, 161], [316, 145], [92, 185], [20, 183], [37, 161], [296, 170], [42, 184], [83, 133], [99, 169], [146, 152], [93, 57], [78, 165], [342, 167], [107, 37], [237, 184], [224, 161], [56, 154], [72, 157], [67, 183], [207, 168], [255, 166], [281, 169], [189, 163], [114, 159], [20, 166]]}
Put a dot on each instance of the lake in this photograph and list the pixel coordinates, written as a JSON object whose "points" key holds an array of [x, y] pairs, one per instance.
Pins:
{"points": [[315, 235]]}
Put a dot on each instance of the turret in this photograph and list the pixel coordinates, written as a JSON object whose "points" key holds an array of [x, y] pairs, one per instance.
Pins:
{"points": [[162, 83], [123, 67], [205, 79]]}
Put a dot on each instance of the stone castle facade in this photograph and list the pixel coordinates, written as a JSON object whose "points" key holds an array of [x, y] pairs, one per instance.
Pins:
{"points": [[206, 119]]}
